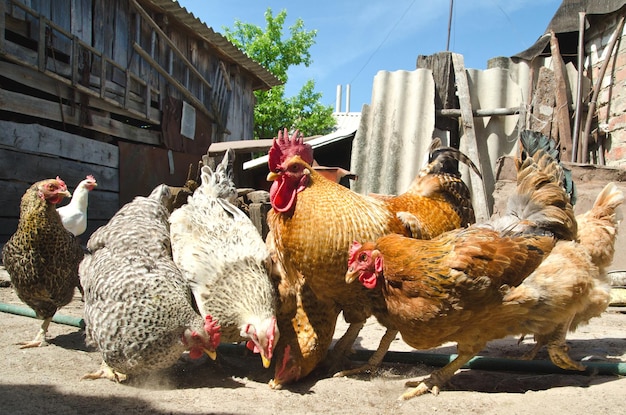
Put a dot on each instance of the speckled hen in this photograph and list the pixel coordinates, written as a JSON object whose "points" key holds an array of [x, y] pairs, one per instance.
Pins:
{"points": [[42, 257], [224, 259], [138, 308]]}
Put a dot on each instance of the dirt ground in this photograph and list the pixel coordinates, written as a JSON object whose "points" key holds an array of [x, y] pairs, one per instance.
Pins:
{"points": [[47, 380]]}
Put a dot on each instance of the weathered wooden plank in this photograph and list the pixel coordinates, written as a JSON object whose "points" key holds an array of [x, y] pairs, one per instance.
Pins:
{"points": [[481, 204], [29, 168], [36, 107], [35, 138], [562, 104], [37, 80], [81, 20]]}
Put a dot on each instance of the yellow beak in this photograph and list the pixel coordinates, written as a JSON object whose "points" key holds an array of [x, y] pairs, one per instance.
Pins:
{"points": [[271, 176], [211, 353], [351, 275], [266, 361]]}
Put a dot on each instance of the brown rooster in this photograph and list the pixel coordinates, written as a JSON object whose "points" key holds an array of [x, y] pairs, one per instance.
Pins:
{"points": [[312, 224], [42, 257], [522, 273]]}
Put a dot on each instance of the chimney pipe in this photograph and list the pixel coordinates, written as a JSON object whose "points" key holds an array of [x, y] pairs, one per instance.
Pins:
{"points": [[338, 99]]}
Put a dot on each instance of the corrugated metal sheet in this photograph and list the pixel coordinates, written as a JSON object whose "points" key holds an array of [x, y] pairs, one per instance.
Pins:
{"points": [[392, 141], [395, 132], [218, 41]]}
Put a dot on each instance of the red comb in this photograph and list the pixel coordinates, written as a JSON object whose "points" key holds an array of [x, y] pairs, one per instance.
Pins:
{"points": [[213, 328], [90, 177], [61, 182], [284, 147], [353, 252]]}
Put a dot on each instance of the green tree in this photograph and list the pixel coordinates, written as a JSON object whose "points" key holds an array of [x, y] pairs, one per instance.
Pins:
{"points": [[278, 53]]}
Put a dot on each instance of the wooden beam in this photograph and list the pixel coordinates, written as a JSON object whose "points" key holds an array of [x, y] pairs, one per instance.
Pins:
{"points": [[36, 107], [169, 42], [481, 205], [562, 104], [181, 88]]}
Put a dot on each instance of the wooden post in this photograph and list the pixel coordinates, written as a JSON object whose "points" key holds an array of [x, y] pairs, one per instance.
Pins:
{"points": [[562, 104], [481, 205]]}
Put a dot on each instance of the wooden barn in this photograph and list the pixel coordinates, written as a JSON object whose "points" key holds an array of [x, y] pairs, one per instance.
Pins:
{"points": [[130, 91]]}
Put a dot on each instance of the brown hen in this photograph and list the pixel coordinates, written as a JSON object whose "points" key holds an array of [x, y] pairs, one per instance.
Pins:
{"points": [[312, 224], [42, 257], [522, 273]]}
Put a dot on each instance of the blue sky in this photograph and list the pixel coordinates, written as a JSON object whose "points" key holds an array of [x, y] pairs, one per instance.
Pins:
{"points": [[357, 38]]}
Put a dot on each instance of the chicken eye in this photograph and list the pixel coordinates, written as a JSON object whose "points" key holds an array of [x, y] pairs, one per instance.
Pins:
{"points": [[363, 257]]}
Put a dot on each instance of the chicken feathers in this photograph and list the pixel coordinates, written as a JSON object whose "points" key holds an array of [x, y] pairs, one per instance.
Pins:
{"points": [[522, 273], [225, 261], [74, 214], [312, 223], [42, 257], [139, 310]]}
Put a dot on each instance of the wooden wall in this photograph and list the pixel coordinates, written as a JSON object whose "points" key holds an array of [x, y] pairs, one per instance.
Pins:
{"points": [[30, 152]]}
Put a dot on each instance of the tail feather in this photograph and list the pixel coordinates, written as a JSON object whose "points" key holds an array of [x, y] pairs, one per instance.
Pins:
{"points": [[532, 141], [218, 183], [444, 160], [540, 203], [597, 228]]}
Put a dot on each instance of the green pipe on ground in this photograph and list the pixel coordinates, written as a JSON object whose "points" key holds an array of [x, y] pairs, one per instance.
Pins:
{"points": [[477, 362], [28, 312], [431, 359], [496, 363]]}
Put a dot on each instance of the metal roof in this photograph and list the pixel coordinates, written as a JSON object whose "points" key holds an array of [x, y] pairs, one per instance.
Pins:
{"points": [[218, 41]]}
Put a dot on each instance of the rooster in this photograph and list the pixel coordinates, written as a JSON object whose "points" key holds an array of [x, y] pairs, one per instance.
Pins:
{"points": [[139, 311], [42, 257], [74, 214], [224, 259], [522, 273], [312, 223]]}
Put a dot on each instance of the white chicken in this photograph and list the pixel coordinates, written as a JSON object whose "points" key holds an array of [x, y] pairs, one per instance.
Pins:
{"points": [[74, 214], [225, 261]]}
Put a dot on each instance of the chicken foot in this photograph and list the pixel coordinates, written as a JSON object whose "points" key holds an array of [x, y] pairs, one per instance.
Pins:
{"points": [[343, 347], [40, 338], [375, 359], [106, 372], [440, 377], [557, 348]]}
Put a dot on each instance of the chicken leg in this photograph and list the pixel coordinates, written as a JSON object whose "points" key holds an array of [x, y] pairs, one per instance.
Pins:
{"points": [[375, 359], [40, 338], [440, 377], [557, 348], [106, 372]]}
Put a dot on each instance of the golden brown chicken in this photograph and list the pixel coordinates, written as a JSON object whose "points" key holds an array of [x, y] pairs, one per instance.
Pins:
{"points": [[312, 224], [522, 273], [42, 257]]}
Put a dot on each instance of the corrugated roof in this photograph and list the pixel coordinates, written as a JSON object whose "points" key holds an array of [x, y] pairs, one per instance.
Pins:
{"points": [[314, 142], [218, 41], [566, 20], [392, 141]]}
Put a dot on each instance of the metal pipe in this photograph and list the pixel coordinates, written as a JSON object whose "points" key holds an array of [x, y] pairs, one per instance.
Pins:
{"points": [[28, 312]]}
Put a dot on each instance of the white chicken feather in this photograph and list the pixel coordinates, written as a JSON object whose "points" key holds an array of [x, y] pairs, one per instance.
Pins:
{"points": [[224, 258], [74, 214]]}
